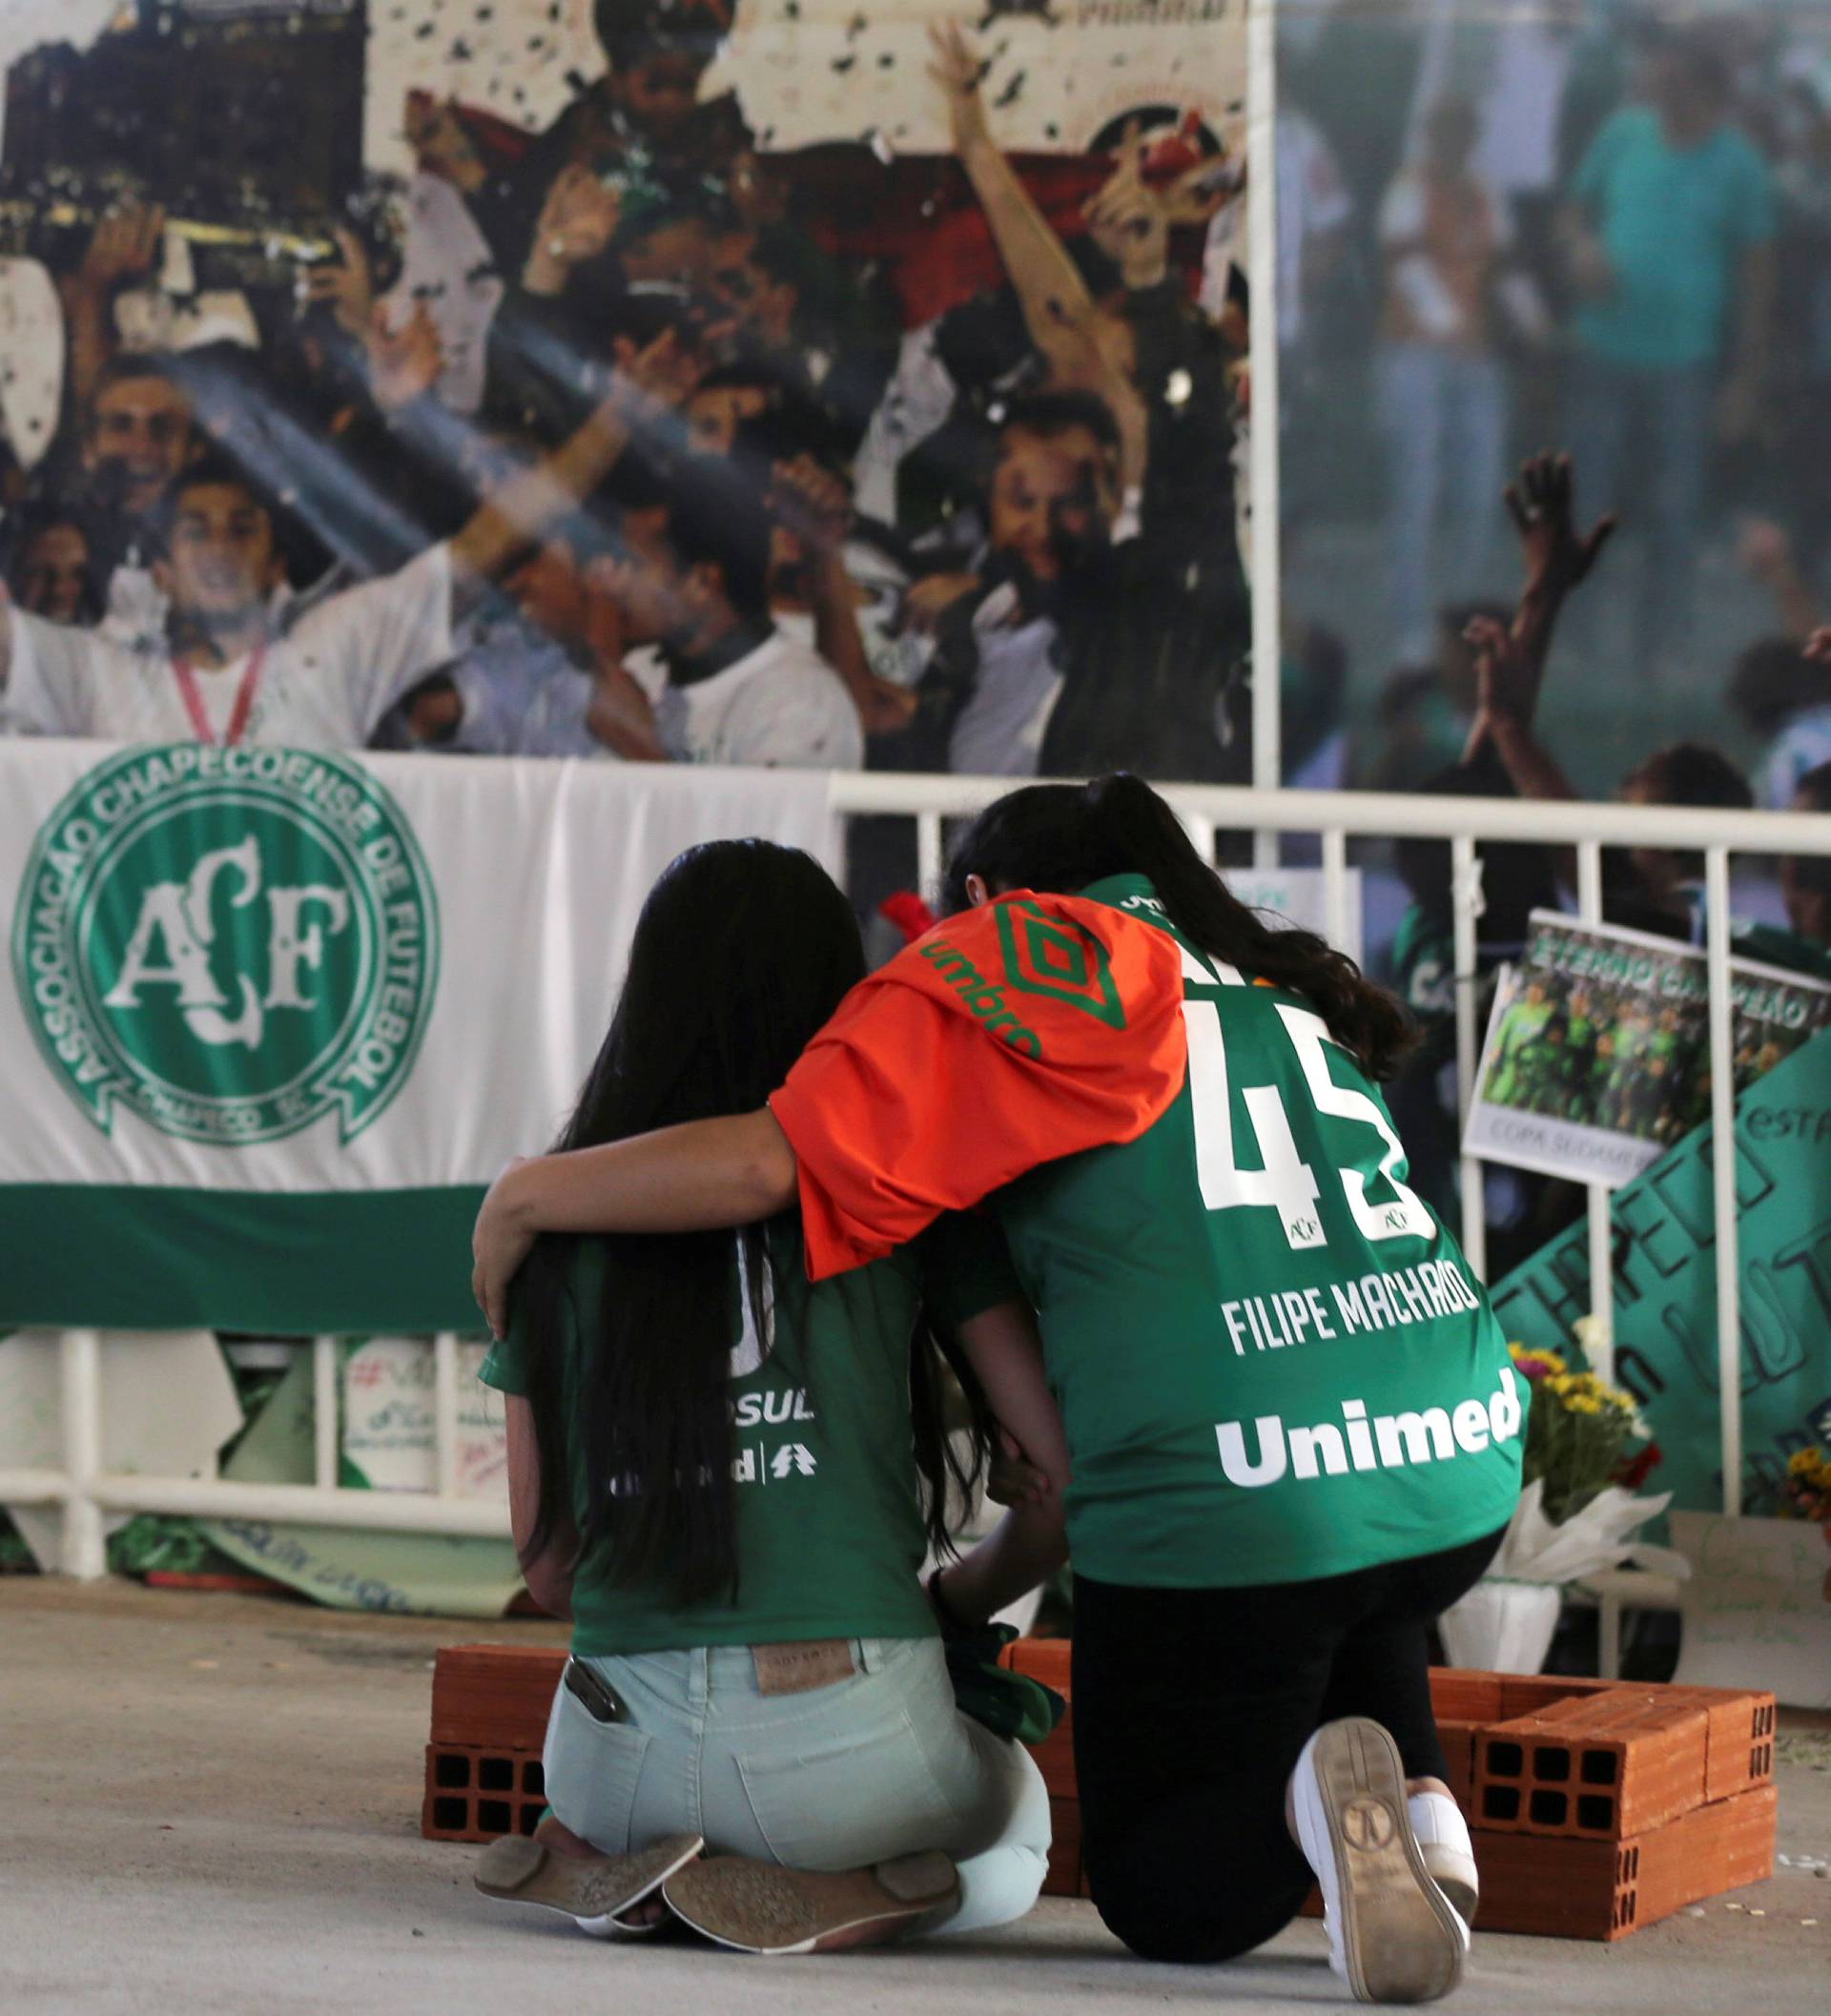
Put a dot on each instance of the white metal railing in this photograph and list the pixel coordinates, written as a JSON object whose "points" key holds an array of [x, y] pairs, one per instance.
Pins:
{"points": [[86, 1492]]}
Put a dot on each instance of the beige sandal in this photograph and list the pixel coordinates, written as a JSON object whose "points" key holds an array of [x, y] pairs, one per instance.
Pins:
{"points": [[593, 1890], [760, 1907]]}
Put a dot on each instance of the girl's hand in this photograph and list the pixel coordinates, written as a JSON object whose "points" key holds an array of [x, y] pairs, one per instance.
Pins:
{"points": [[499, 1242], [1012, 1479]]}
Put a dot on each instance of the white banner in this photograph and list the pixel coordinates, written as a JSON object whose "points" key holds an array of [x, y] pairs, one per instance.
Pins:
{"points": [[264, 970]]}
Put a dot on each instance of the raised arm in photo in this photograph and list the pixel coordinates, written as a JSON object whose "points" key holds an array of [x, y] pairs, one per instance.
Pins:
{"points": [[647, 386], [1058, 311]]}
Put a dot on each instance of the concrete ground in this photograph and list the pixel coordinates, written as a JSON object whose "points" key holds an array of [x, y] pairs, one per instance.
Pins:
{"points": [[212, 1803]]}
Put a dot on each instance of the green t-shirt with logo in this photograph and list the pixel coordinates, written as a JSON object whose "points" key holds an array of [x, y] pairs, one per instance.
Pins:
{"points": [[1273, 1363], [830, 1534]]}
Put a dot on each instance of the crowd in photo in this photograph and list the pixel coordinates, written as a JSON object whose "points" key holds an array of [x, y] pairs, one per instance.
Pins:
{"points": [[1601, 224], [622, 440]]}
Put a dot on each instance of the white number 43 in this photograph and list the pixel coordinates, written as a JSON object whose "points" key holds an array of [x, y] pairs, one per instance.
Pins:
{"points": [[1287, 1184]]}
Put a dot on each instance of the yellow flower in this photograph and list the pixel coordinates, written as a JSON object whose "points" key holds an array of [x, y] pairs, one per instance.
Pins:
{"points": [[1584, 1403], [1802, 1462]]}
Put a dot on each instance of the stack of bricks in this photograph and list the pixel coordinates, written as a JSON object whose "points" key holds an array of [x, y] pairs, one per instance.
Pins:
{"points": [[1600, 1809], [489, 1708], [1597, 1806]]}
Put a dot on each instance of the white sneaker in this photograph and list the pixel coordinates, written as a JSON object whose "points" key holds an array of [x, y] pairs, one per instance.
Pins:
{"points": [[1449, 1854], [1394, 1936]]}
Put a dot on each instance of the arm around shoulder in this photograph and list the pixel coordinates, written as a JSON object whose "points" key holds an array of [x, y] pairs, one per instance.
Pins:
{"points": [[707, 1174]]}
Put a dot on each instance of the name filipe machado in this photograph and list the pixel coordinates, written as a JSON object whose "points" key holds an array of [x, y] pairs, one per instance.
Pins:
{"points": [[1431, 1435], [1375, 1302]]}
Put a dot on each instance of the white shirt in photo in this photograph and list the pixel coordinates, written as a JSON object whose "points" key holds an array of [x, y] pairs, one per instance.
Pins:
{"points": [[324, 682], [779, 706], [1001, 729]]}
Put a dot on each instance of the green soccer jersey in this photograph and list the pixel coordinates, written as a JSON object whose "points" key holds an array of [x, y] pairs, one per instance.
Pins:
{"points": [[829, 1531], [1513, 1068], [1578, 1067], [1272, 1361]]}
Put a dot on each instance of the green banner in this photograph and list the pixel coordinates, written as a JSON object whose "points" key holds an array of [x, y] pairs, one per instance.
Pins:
{"points": [[1665, 1289]]}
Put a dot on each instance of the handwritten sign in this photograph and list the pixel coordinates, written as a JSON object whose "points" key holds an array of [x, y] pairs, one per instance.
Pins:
{"points": [[390, 1435], [1757, 1611]]}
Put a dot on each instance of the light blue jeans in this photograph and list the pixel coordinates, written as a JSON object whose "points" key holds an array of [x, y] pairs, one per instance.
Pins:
{"points": [[875, 1766]]}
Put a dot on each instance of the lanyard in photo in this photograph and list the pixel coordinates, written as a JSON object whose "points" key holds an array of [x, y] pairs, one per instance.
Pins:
{"points": [[188, 692]]}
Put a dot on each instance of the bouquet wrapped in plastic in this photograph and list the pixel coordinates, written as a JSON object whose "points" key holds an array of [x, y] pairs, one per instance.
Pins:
{"points": [[1576, 1515]]}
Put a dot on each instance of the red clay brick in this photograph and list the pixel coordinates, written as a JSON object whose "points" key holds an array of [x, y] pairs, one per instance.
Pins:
{"points": [[1533, 1694], [1741, 1754], [1458, 1694], [1044, 1659], [494, 1694], [1604, 1767], [1558, 1888], [1566, 1889], [474, 1793], [1054, 1757], [1459, 1753], [1064, 1876], [1723, 1846]]}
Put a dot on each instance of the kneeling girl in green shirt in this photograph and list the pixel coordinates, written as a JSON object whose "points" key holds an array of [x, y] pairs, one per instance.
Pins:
{"points": [[719, 1471]]}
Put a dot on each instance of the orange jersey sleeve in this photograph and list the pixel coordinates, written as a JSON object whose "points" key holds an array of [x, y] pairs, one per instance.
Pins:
{"points": [[1032, 1028]]}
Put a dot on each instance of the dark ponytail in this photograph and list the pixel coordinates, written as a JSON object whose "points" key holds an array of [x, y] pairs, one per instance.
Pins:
{"points": [[1064, 837]]}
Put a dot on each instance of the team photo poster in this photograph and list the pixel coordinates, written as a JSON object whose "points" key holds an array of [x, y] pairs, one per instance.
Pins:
{"points": [[1598, 1054]]}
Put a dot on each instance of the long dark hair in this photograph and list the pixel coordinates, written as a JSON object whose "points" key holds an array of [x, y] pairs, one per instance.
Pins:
{"points": [[742, 951], [1064, 837]]}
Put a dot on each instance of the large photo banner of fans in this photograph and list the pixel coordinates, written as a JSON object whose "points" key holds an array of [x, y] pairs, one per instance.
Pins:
{"points": [[736, 381]]}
